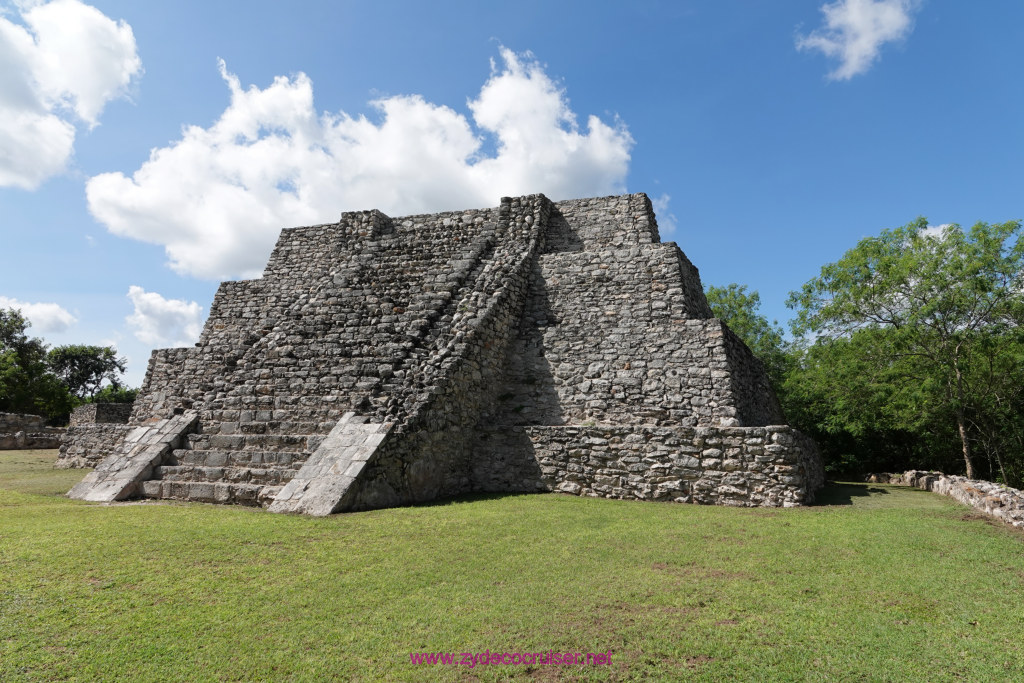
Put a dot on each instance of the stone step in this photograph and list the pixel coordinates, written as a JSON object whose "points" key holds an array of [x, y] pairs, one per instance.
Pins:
{"points": [[215, 458], [226, 475], [210, 492], [251, 442], [216, 426], [203, 492]]}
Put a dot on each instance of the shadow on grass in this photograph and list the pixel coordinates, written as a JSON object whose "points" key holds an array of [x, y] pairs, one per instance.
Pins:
{"points": [[843, 493], [466, 498]]}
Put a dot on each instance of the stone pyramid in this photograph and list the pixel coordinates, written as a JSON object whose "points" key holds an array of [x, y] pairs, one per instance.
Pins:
{"points": [[535, 346]]}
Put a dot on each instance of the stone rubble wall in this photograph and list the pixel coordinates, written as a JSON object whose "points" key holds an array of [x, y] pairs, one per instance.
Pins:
{"points": [[430, 456], [742, 466], [22, 422], [342, 320], [87, 444], [996, 500], [21, 431], [101, 413], [620, 332], [752, 395]]}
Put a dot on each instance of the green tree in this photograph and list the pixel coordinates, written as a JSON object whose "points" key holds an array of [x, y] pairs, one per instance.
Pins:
{"points": [[926, 324], [115, 394], [83, 369], [740, 310], [26, 384]]}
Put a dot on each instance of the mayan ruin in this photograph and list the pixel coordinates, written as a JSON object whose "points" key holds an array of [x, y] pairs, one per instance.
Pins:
{"points": [[535, 346]]}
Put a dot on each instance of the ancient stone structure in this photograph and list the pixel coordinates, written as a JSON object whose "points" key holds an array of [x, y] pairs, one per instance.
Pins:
{"points": [[1002, 502], [23, 431], [92, 430], [101, 413], [534, 346]]}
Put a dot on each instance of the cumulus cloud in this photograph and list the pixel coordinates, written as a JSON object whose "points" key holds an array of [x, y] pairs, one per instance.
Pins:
{"points": [[59, 66], [164, 322], [667, 221], [217, 198], [45, 317], [855, 31]]}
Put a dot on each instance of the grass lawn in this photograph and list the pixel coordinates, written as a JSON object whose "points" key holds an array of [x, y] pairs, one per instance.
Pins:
{"points": [[880, 583]]}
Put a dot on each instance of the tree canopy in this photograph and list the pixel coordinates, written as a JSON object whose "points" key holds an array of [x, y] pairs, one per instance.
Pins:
{"points": [[36, 379], [917, 328], [83, 369]]}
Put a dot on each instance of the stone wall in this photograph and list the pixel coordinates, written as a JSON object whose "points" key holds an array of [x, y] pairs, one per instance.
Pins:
{"points": [[742, 466], [101, 413], [619, 332], [996, 500], [23, 431], [22, 422], [87, 444]]}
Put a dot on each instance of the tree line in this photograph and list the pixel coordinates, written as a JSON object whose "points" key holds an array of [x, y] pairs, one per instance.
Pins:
{"points": [[907, 352], [39, 380]]}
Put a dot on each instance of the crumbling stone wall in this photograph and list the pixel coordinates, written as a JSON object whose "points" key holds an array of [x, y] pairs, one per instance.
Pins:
{"points": [[1002, 502], [85, 445], [101, 413], [24, 431], [383, 361], [95, 430]]}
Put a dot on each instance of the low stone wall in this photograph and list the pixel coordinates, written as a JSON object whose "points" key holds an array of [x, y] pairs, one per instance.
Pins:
{"points": [[86, 445], [774, 466], [101, 413], [1001, 502], [22, 431], [21, 422], [28, 441]]}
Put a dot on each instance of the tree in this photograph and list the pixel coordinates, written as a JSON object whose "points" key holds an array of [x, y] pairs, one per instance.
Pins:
{"points": [[115, 394], [740, 311], [26, 384], [83, 369], [932, 318]]}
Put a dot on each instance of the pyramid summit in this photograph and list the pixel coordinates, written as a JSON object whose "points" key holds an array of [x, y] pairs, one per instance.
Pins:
{"points": [[534, 346]]}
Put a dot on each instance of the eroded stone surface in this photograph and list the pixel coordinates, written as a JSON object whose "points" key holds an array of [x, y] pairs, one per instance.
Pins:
{"points": [[1001, 502], [24, 431], [534, 346]]}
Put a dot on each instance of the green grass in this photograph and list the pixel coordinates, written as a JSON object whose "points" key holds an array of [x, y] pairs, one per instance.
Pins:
{"points": [[882, 584]]}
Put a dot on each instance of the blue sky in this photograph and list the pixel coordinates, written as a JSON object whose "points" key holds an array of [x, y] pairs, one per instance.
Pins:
{"points": [[137, 169]]}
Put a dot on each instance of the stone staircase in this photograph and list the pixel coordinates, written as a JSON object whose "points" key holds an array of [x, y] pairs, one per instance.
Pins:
{"points": [[243, 464]]}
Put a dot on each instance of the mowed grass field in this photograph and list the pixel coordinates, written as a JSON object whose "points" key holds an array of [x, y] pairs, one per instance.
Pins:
{"points": [[879, 583]]}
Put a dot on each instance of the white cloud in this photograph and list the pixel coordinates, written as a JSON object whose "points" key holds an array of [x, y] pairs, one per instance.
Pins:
{"points": [[45, 317], [164, 322], [217, 198], [667, 222], [855, 31], [937, 230], [62, 64]]}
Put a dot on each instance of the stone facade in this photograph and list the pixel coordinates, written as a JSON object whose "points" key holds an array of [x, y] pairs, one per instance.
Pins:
{"points": [[1002, 502], [535, 346], [22, 431], [95, 430], [101, 413]]}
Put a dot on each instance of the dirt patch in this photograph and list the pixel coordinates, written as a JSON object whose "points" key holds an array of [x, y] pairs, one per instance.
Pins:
{"points": [[699, 660], [696, 571]]}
